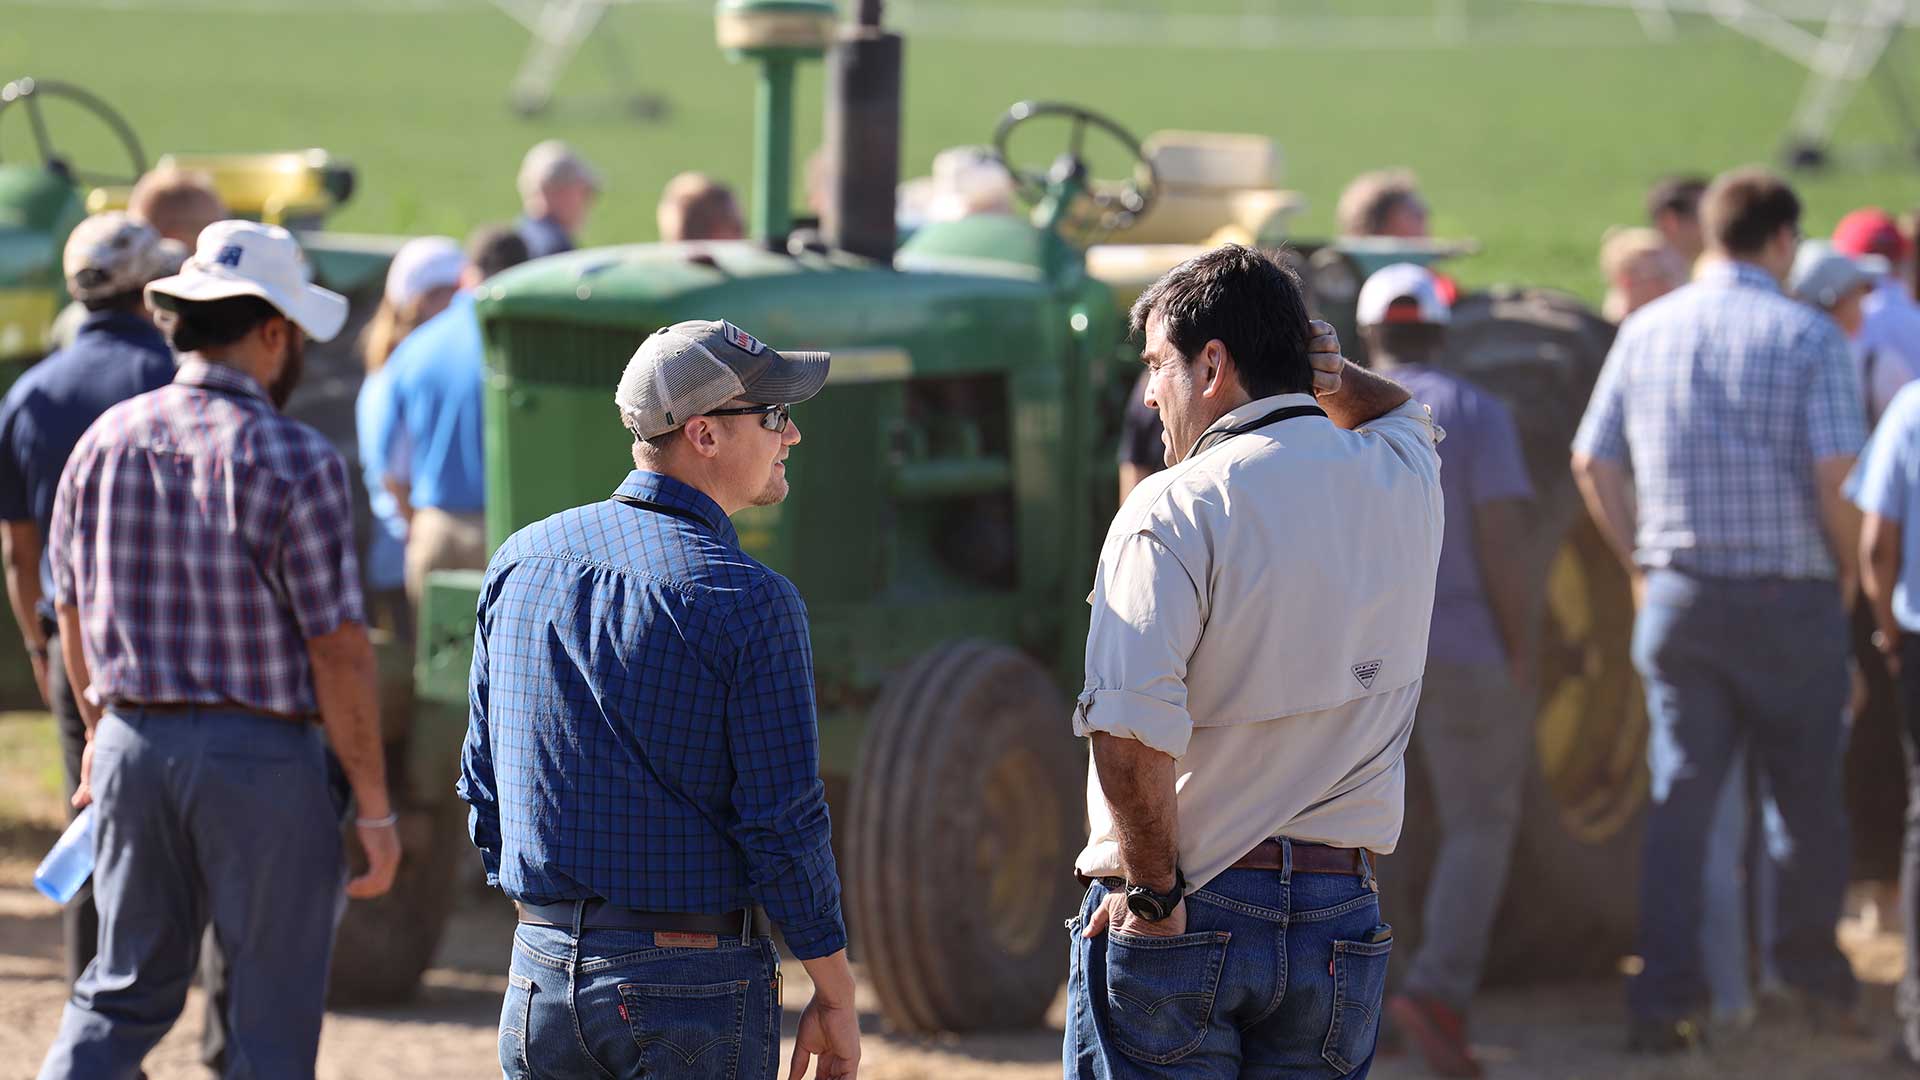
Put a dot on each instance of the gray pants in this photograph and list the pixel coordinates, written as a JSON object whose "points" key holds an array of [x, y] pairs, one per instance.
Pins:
{"points": [[207, 816], [1472, 735]]}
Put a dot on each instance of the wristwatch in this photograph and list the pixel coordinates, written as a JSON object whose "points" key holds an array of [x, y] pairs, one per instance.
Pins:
{"points": [[1156, 906]]}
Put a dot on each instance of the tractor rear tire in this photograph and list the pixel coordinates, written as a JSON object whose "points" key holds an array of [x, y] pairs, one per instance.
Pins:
{"points": [[1572, 886], [966, 813], [384, 945]]}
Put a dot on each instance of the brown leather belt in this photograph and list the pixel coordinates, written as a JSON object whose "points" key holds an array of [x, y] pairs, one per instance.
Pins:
{"points": [[600, 915], [182, 707], [1270, 854]]}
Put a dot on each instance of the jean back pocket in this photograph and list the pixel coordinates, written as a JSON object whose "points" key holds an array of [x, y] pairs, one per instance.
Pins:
{"points": [[1160, 992], [1359, 984], [685, 1032]]}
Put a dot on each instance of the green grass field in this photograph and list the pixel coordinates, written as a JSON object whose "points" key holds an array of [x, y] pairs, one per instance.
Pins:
{"points": [[1541, 131]]}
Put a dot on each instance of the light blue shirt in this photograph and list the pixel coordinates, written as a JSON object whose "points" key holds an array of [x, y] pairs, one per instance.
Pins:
{"points": [[374, 425], [436, 446], [1720, 396], [1887, 483]]}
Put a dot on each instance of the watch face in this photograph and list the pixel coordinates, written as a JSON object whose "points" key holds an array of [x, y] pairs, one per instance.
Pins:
{"points": [[1145, 907]]}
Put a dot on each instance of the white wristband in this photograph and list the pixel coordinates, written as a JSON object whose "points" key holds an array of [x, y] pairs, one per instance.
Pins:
{"points": [[377, 823]]}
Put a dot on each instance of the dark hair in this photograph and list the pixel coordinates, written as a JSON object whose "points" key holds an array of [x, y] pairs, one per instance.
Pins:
{"points": [[130, 300], [1408, 342], [493, 248], [1745, 208], [1676, 194], [192, 325], [1249, 301]]}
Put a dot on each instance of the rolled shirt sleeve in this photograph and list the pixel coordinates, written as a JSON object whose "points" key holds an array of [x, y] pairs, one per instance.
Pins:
{"points": [[1889, 466], [1836, 415], [1147, 615], [59, 538], [1603, 430], [773, 739], [318, 571]]}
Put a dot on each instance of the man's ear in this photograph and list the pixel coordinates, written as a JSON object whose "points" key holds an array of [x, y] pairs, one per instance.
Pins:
{"points": [[273, 334], [703, 435], [1216, 365]]}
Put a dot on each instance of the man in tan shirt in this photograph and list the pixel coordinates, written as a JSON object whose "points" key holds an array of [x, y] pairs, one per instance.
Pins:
{"points": [[1258, 637]]}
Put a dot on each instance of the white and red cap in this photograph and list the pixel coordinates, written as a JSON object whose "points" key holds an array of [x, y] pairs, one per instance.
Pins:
{"points": [[1403, 293], [686, 369], [246, 258], [422, 265]]}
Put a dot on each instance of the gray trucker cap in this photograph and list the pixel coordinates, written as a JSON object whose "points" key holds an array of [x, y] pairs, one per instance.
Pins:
{"points": [[684, 370]]}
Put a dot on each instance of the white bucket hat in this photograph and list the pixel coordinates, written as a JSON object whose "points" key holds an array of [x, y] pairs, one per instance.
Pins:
{"points": [[246, 258]]}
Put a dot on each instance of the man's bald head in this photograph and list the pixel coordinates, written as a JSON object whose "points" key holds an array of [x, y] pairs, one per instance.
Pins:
{"points": [[695, 206], [177, 203]]}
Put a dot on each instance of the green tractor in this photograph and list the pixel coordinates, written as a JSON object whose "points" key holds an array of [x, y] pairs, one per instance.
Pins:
{"points": [[955, 481]]}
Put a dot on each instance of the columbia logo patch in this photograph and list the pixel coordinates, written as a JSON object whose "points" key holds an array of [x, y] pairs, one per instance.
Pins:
{"points": [[228, 256], [1364, 672], [741, 340]]}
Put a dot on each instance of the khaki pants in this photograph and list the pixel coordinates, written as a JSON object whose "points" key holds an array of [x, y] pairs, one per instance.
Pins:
{"points": [[437, 540]]}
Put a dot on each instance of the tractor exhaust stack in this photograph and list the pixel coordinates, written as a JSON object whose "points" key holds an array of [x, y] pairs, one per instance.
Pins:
{"points": [[863, 136]]}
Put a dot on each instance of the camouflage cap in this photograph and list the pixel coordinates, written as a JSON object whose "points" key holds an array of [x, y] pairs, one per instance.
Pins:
{"points": [[110, 254]]}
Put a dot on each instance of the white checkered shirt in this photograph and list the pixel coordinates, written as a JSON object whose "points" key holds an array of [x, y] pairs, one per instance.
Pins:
{"points": [[1721, 396]]}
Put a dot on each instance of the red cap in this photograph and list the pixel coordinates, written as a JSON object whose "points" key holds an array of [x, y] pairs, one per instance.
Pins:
{"points": [[1871, 231]]}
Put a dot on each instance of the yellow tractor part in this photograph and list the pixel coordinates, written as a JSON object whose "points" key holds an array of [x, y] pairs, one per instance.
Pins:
{"points": [[291, 187], [1213, 182]]}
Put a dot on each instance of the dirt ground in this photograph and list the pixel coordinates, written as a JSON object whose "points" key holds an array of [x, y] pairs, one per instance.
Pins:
{"points": [[1556, 1032]]}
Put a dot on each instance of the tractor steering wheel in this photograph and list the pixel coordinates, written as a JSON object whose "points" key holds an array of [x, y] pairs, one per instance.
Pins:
{"points": [[1119, 206], [28, 92]]}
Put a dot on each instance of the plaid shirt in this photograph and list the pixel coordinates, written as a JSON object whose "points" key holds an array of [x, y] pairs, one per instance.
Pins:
{"points": [[1722, 395], [642, 725], [204, 537]]}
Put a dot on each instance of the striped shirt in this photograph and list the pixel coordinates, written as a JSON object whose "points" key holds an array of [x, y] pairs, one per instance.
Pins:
{"points": [[1721, 395], [204, 537]]}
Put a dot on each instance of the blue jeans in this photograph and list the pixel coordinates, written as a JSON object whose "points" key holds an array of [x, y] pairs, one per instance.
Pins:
{"points": [[208, 816], [1724, 661], [1274, 977], [612, 1003]]}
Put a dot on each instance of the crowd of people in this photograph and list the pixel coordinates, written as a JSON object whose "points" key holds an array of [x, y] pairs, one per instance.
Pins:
{"points": [[1725, 457]]}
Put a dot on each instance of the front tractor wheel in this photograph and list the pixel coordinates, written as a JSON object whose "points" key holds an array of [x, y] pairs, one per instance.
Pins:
{"points": [[967, 810]]}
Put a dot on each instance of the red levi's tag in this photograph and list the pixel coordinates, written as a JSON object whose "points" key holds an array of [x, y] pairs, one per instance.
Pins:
{"points": [[664, 940]]}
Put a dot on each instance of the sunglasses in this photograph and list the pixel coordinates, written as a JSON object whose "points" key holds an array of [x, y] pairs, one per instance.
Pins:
{"points": [[772, 417]]}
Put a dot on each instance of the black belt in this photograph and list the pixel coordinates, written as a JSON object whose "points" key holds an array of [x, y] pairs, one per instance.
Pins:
{"points": [[600, 915]]}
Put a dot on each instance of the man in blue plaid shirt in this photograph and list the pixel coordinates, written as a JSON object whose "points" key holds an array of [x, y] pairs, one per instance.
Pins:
{"points": [[1711, 457], [642, 758]]}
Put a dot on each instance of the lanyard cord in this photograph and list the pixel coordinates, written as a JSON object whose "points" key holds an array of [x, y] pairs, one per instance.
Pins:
{"points": [[662, 508], [1211, 439]]}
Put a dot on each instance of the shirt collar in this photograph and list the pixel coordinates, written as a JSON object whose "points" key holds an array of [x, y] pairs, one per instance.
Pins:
{"points": [[210, 376], [1735, 272], [1254, 410], [123, 325], [1250, 413], [659, 488]]}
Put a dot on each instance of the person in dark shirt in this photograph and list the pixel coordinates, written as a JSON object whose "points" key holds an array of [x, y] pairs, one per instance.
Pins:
{"points": [[1472, 735], [642, 754], [116, 354]]}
